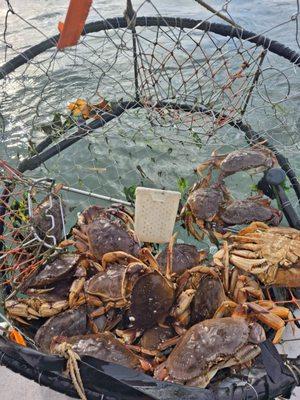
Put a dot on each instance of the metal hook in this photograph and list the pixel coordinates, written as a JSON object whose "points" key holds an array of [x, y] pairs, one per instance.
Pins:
{"points": [[30, 211]]}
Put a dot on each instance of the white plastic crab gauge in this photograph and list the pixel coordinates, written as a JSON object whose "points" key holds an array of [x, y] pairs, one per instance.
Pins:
{"points": [[155, 214]]}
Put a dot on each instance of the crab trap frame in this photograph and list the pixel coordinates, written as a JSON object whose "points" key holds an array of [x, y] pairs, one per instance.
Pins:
{"points": [[137, 97]]}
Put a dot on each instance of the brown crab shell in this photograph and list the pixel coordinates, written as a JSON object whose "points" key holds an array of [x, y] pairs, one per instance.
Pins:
{"points": [[242, 212], [105, 234], [103, 346], [247, 159], [105, 322], [115, 282], [55, 270], [59, 292], [107, 284], [206, 344], [209, 296], [152, 297], [155, 336], [67, 323], [185, 256], [204, 203]]}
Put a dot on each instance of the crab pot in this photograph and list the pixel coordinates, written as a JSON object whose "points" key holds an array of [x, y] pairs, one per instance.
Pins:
{"points": [[125, 117]]}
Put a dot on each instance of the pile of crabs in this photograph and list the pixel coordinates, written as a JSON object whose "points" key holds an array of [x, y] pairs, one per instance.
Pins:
{"points": [[178, 314]]}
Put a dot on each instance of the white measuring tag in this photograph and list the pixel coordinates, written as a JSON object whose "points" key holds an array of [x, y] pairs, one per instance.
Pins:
{"points": [[155, 214]]}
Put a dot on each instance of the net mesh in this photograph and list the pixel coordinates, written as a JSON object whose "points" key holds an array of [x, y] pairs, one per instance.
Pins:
{"points": [[143, 102]]}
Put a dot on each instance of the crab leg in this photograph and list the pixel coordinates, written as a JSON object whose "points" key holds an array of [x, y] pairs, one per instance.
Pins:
{"points": [[146, 256], [81, 242], [211, 163], [142, 350], [183, 302], [75, 290], [169, 266], [34, 309], [281, 311], [218, 257], [226, 266], [125, 217], [249, 246], [254, 237], [93, 300], [188, 220], [168, 343], [288, 278], [233, 280], [257, 293], [103, 310], [203, 166], [114, 256], [239, 294], [253, 227], [249, 265], [244, 253], [204, 269], [224, 308], [270, 319]]}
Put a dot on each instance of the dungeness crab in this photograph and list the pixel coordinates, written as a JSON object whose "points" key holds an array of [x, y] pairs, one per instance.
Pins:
{"points": [[111, 288], [205, 292], [256, 158], [104, 346], [101, 231], [212, 204], [128, 283], [210, 346], [270, 253], [176, 258], [52, 289]]}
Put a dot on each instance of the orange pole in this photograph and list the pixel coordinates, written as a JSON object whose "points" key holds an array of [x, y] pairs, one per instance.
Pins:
{"points": [[72, 28]]}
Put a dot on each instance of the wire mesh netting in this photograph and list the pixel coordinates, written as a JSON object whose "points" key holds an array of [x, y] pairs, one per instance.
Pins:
{"points": [[226, 78], [141, 100]]}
